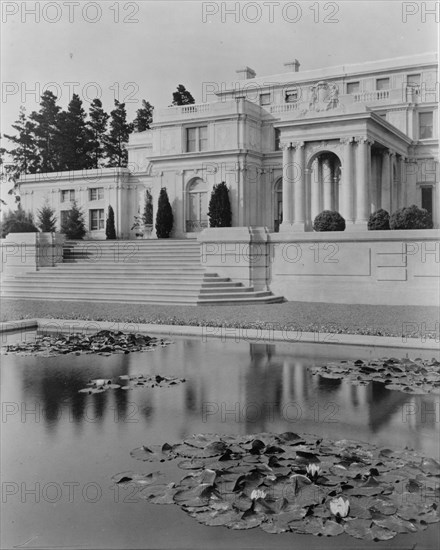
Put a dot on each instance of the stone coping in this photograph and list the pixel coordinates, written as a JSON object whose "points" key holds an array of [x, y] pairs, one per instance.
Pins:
{"points": [[207, 332]]}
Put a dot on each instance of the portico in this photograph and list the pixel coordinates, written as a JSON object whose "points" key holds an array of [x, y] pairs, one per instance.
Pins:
{"points": [[357, 170]]}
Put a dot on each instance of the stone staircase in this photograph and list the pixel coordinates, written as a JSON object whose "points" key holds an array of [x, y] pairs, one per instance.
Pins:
{"points": [[141, 271]]}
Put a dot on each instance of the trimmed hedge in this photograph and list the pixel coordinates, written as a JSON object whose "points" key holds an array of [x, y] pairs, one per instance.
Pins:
{"points": [[379, 220], [411, 217], [329, 220]]}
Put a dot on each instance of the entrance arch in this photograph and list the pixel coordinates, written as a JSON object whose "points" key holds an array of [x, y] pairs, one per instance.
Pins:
{"points": [[325, 176], [196, 206]]}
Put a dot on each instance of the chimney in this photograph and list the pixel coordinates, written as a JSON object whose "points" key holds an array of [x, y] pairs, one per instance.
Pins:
{"points": [[246, 73], [292, 66]]}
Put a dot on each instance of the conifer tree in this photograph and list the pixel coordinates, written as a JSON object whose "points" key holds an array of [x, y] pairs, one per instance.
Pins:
{"points": [[144, 117], [46, 219], [46, 133], [74, 137], [110, 231], [219, 212], [164, 216], [24, 154], [98, 126], [147, 216], [74, 226], [182, 96], [117, 137], [17, 221]]}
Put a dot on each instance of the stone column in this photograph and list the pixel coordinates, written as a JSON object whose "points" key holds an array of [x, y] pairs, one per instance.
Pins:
{"points": [[299, 202], [363, 159], [346, 198], [393, 182], [385, 202], [315, 190], [288, 177], [402, 184], [327, 183]]}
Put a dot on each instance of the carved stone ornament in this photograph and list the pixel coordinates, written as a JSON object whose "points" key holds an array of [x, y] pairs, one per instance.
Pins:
{"points": [[323, 96]]}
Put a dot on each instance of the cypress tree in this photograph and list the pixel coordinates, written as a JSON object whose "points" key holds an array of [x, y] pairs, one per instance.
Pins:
{"points": [[46, 133], [117, 137], [74, 226], [164, 216], [219, 212], [147, 216], [24, 155], [46, 218], [98, 127], [144, 117], [74, 137], [110, 231]]}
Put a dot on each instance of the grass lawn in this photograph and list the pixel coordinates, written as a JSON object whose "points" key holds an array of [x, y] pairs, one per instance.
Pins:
{"points": [[315, 317]]}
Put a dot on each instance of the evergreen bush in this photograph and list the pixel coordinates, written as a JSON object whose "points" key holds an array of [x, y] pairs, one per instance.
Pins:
{"points": [[46, 218], [74, 226], [379, 220], [329, 220], [164, 216], [147, 216], [18, 221], [110, 230], [411, 217], [219, 212]]}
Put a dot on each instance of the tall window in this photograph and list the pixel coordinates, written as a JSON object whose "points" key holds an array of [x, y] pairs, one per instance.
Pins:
{"points": [[63, 216], [427, 201], [96, 193], [67, 195], [425, 125], [197, 139], [383, 84], [197, 217], [96, 219], [353, 87], [277, 139], [413, 82]]}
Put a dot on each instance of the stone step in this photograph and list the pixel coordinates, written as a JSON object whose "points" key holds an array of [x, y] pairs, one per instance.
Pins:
{"points": [[201, 280]]}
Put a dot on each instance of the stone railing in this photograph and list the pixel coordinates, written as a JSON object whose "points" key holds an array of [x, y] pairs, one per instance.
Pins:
{"points": [[283, 108], [376, 95]]}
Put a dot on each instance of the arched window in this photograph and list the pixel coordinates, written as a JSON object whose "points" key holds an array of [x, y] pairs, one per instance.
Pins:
{"points": [[197, 207]]}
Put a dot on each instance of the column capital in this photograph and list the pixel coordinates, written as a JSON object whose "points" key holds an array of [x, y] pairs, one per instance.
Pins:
{"points": [[364, 139], [297, 144], [346, 140], [284, 145], [393, 155]]}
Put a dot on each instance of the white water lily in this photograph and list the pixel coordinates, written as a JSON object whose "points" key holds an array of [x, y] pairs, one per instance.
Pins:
{"points": [[257, 493], [313, 471], [340, 507]]}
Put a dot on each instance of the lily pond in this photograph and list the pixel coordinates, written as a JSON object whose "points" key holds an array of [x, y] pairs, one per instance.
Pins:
{"points": [[183, 443]]}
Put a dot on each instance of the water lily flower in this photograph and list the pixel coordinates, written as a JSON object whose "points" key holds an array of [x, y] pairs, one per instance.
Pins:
{"points": [[257, 493], [313, 471], [340, 507]]}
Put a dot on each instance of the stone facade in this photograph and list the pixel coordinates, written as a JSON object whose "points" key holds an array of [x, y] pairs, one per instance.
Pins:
{"points": [[352, 138]]}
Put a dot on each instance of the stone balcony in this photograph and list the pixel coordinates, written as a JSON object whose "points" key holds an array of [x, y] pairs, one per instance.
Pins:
{"points": [[184, 113]]}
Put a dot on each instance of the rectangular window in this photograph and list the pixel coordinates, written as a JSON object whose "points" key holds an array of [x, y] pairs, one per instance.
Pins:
{"points": [[427, 199], [96, 219], [291, 96], [277, 139], [197, 139], [96, 193], [264, 99], [413, 81], [425, 125], [353, 87], [383, 84], [63, 216], [67, 195]]}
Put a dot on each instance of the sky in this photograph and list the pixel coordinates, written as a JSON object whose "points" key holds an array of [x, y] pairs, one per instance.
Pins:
{"points": [[142, 50]]}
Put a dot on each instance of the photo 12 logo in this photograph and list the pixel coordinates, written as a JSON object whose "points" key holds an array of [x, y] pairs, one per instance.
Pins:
{"points": [[71, 12]]}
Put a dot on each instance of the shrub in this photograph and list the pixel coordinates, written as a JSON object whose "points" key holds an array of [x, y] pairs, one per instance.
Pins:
{"points": [[219, 212], [74, 226], [18, 221], [329, 220], [147, 216], [164, 216], [379, 220], [411, 217], [46, 218], [110, 230]]}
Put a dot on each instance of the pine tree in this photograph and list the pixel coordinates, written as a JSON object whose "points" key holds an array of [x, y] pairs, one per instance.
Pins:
{"points": [[144, 117], [46, 133], [182, 96], [164, 216], [24, 155], [46, 218], [117, 137], [219, 212], [98, 126], [74, 226], [110, 231], [74, 137]]}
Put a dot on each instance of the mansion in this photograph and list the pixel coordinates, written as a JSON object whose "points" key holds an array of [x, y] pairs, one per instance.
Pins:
{"points": [[352, 138]]}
